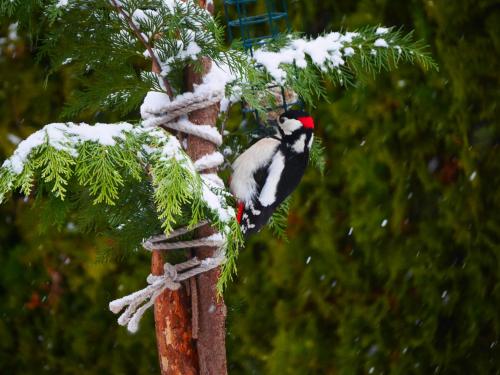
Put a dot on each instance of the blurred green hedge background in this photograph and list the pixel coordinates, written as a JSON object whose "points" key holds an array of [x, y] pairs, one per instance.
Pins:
{"points": [[392, 259]]}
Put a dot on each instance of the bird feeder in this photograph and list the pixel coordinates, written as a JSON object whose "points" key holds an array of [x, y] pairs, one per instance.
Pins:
{"points": [[256, 30]]}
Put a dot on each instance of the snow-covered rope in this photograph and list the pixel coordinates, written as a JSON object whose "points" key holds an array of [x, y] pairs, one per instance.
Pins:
{"points": [[175, 233], [209, 161], [182, 105], [215, 240], [137, 303], [183, 125], [174, 115]]}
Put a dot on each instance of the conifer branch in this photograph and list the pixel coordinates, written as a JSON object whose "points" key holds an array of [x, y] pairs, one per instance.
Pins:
{"points": [[102, 162], [156, 64], [304, 63]]}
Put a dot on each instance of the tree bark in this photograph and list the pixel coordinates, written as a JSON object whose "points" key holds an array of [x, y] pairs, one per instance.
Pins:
{"points": [[176, 349], [211, 344], [176, 352]]}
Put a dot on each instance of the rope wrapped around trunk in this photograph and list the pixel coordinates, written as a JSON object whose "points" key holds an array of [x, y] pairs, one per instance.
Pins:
{"points": [[174, 115]]}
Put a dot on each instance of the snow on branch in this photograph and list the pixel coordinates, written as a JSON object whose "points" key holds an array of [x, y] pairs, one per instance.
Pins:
{"points": [[64, 137], [326, 52], [339, 57], [102, 157], [104, 41]]}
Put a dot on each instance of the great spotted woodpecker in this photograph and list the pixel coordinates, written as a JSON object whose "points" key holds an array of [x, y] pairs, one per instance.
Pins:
{"points": [[265, 174]]}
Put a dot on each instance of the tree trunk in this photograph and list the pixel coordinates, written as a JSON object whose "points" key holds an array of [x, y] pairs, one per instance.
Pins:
{"points": [[176, 352], [176, 349], [211, 342]]}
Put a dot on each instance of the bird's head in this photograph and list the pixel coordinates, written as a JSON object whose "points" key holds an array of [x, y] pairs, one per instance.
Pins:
{"points": [[293, 120]]}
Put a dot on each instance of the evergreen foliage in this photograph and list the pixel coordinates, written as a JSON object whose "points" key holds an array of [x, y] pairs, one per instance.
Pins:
{"points": [[109, 43], [341, 58], [100, 158], [103, 39], [345, 294], [57, 278]]}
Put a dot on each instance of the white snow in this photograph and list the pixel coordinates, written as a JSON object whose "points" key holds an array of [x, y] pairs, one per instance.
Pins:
{"points": [[154, 102], [209, 161], [13, 36], [224, 105], [104, 134], [190, 52], [433, 164], [65, 137], [217, 202], [325, 51], [61, 3], [227, 151], [170, 3], [139, 16], [14, 139], [381, 43], [155, 110], [16, 162], [349, 51], [382, 30], [211, 309], [169, 147], [207, 132], [186, 52], [211, 89], [216, 239], [214, 179], [215, 81]]}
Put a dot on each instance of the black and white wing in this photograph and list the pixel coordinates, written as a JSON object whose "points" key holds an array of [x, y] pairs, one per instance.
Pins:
{"points": [[249, 169]]}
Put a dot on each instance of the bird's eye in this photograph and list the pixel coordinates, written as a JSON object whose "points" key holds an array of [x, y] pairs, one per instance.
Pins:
{"points": [[283, 119]]}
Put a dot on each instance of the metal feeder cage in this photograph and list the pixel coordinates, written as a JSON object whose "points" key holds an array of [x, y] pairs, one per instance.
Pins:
{"points": [[270, 24]]}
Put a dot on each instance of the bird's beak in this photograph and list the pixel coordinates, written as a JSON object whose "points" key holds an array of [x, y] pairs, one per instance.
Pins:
{"points": [[307, 122]]}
